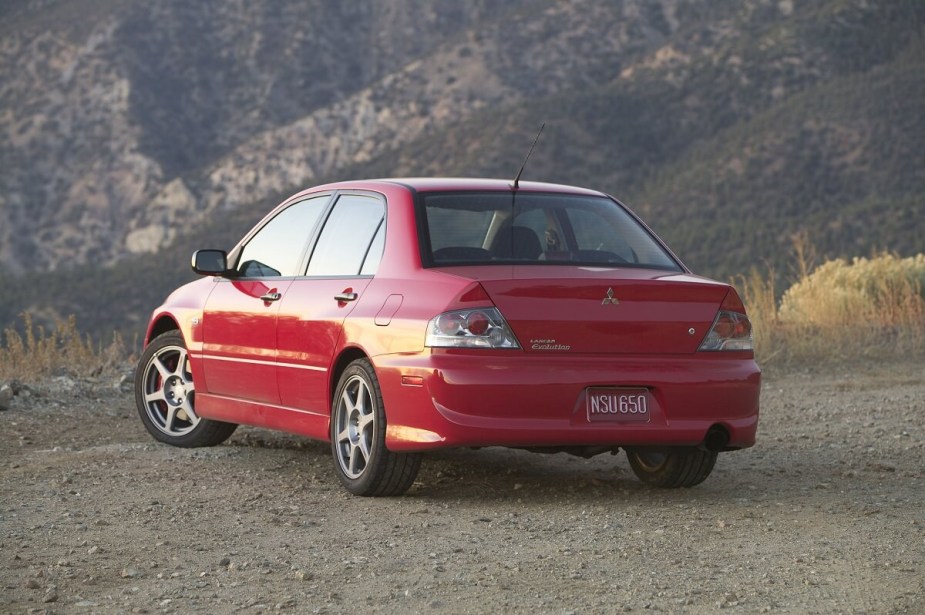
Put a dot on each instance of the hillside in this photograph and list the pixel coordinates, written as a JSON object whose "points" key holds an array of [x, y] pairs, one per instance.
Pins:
{"points": [[131, 133]]}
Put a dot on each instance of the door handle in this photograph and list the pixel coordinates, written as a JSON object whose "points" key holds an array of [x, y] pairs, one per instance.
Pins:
{"points": [[346, 297], [271, 297]]}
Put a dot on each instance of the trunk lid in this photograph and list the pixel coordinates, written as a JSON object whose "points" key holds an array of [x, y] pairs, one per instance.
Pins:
{"points": [[602, 311]]}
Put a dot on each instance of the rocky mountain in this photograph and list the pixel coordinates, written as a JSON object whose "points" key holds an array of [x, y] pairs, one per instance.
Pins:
{"points": [[117, 138], [130, 131]]}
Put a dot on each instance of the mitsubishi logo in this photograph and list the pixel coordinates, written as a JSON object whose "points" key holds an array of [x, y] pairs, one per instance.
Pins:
{"points": [[610, 299]]}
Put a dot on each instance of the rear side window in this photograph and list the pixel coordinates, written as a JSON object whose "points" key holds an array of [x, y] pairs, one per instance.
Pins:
{"points": [[493, 228], [346, 245], [374, 254]]}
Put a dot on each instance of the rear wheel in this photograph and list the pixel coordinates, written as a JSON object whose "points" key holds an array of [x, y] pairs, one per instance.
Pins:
{"points": [[671, 467], [165, 396], [362, 462]]}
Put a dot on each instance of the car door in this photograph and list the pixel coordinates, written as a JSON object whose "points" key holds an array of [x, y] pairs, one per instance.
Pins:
{"points": [[239, 318], [312, 313]]}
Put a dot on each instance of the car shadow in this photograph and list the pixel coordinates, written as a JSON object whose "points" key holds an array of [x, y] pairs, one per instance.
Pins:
{"points": [[502, 473]]}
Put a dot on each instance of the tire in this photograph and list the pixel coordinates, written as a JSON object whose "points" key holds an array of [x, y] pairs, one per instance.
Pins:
{"points": [[165, 396], [362, 462], [671, 467]]}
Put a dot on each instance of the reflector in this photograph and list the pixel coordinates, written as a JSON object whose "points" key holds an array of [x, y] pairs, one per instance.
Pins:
{"points": [[478, 323]]}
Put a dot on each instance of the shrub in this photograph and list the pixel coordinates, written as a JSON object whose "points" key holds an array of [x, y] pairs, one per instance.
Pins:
{"points": [[884, 291], [863, 308], [34, 352]]}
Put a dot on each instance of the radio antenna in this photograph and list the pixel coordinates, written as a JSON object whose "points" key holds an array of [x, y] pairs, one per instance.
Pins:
{"points": [[523, 166]]}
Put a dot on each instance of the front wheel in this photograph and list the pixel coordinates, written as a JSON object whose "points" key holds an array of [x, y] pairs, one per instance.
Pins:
{"points": [[165, 396], [362, 462], [671, 467]]}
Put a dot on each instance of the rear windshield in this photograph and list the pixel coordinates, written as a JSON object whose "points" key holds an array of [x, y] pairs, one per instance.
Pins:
{"points": [[492, 228]]}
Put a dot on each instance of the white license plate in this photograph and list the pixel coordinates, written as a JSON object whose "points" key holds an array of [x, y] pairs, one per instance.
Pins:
{"points": [[613, 405]]}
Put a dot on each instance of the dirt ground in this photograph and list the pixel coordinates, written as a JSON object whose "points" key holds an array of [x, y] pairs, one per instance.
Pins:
{"points": [[825, 515]]}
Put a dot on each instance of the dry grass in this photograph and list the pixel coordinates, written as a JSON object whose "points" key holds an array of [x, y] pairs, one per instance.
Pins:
{"points": [[35, 352], [760, 299], [866, 308]]}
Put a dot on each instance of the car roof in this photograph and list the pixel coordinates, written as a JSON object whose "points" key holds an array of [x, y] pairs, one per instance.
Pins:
{"points": [[453, 184]]}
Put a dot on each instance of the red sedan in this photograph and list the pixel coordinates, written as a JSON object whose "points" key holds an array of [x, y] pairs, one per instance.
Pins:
{"points": [[393, 317]]}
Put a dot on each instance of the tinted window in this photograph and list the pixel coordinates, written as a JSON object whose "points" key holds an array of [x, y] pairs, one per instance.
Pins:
{"points": [[278, 248], [609, 234], [461, 220], [346, 237], [467, 228]]}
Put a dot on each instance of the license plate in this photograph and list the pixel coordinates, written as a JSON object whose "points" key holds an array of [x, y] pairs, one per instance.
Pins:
{"points": [[618, 405]]}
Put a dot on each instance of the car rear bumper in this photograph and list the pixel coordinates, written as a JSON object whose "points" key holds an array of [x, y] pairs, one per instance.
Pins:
{"points": [[453, 398]]}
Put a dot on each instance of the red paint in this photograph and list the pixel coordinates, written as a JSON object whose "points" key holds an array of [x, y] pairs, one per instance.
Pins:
{"points": [[274, 363]]}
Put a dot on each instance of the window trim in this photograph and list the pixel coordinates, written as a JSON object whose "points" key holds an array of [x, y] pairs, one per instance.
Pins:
{"points": [[307, 257], [381, 226]]}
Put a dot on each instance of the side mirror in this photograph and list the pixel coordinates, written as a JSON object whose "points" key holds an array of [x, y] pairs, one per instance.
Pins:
{"points": [[210, 262]]}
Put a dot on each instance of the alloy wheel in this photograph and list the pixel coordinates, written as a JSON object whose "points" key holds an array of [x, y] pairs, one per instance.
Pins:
{"points": [[356, 427], [169, 391]]}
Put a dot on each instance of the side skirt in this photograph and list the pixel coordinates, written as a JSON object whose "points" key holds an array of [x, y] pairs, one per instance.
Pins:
{"points": [[291, 420]]}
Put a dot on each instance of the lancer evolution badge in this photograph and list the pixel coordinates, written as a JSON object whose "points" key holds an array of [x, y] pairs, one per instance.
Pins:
{"points": [[610, 299]]}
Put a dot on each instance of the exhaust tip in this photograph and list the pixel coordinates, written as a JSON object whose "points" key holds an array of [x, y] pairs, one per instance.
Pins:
{"points": [[717, 439]]}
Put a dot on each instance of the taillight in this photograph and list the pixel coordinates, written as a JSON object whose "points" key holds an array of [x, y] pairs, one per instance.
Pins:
{"points": [[478, 328], [730, 331]]}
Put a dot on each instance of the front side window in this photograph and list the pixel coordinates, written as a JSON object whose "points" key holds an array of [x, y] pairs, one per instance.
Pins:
{"points": [[494, 228], [279, 247], [346, 244]]}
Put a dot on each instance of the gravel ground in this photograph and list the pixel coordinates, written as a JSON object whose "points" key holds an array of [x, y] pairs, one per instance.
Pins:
{"points": [[824, 515]]}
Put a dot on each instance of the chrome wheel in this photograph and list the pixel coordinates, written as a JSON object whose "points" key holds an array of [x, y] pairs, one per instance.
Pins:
{"points": [[364, 465], [165, 396], [169, 391], [356, 425]]}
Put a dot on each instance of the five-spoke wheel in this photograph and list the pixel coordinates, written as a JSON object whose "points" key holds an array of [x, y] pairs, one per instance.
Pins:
{"points": [[165, 395], [363, 463]]}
